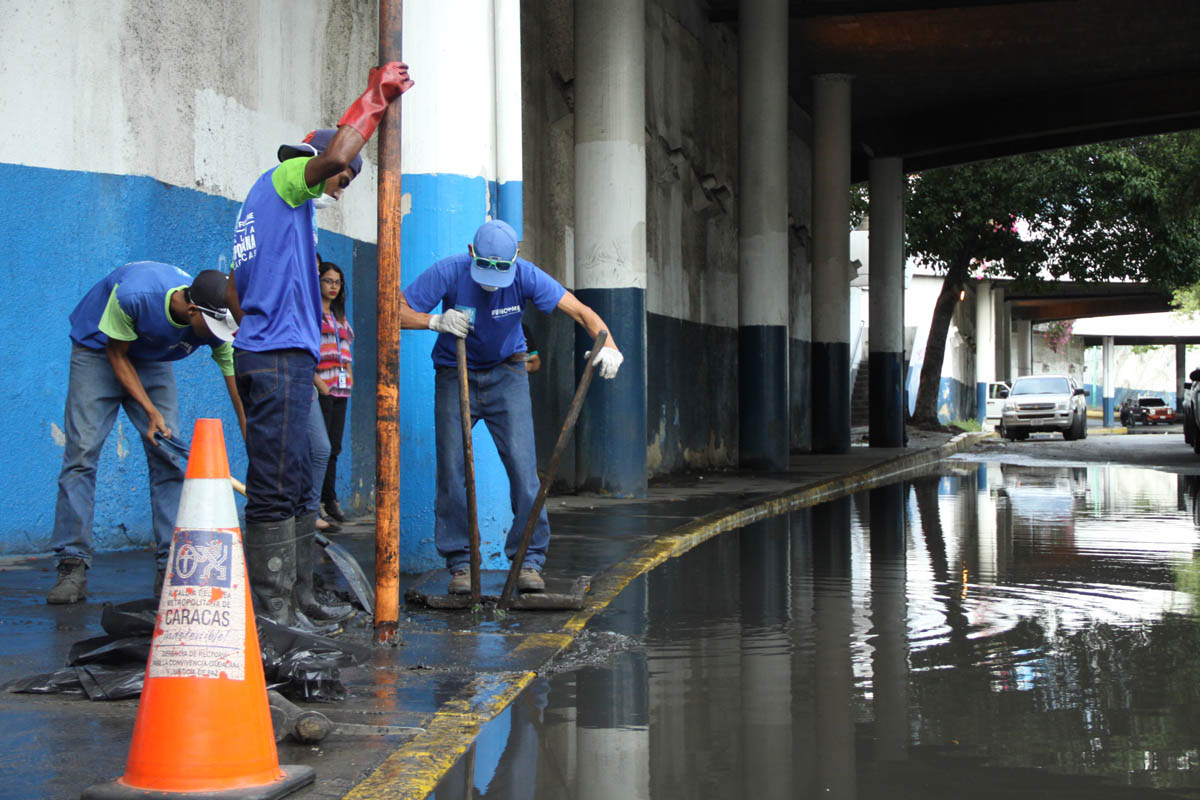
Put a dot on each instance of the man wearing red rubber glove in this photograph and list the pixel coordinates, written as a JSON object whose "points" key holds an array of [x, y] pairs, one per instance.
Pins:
{"points": [[276, 297]]}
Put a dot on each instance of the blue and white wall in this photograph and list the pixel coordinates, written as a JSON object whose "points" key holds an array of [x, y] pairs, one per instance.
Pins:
{"points": [[135, 129]]}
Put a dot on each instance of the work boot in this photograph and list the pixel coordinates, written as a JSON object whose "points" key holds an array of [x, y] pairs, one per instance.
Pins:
{"points": [[306, 602], [271, 564], [334, 511], [460, 582], [71, 586], [530, 580]]}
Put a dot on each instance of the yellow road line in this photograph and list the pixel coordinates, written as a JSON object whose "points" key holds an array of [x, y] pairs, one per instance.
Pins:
{"points": [[416, 768]]}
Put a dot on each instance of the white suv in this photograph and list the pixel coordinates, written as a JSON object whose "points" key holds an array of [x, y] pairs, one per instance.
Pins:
{"points": [[1052, 403]]}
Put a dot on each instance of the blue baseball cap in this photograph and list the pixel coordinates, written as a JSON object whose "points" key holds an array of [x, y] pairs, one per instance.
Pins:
{"points": [[314, 143], [496, 241]]}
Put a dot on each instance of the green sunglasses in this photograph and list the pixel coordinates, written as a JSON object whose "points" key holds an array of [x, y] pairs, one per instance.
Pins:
{"points": [[498, 264]]}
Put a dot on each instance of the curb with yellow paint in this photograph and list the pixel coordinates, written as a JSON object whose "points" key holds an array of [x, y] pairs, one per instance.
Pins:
{"points": [[414, 770]]}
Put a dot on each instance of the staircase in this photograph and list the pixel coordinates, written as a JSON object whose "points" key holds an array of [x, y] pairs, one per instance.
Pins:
{"points": [[859, 396]]}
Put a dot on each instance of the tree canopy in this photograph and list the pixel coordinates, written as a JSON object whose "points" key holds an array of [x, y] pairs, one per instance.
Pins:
{"points": [[1118, 210]]}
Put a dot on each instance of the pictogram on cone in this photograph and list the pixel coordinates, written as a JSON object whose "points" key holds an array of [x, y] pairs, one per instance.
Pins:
{"points": [[204, 721]]}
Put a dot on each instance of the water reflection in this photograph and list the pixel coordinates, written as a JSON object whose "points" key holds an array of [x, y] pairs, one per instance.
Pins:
{"points": [[994, 630]]}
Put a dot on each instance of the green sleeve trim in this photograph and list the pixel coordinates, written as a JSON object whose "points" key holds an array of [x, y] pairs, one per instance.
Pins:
{"points": [[167, 307], [114, 322], [223, 355], [288, 179]]}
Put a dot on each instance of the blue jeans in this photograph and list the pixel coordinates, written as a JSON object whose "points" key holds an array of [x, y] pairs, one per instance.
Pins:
{"points": [[500, 397], [93, 396], [318, 448], [277, 391]]}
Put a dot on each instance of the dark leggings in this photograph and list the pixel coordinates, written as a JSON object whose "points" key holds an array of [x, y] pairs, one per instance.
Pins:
{"points": [[334, 411]]}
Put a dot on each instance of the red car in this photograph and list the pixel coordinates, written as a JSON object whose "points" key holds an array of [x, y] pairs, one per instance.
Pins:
{"points": [[1147, 410]]}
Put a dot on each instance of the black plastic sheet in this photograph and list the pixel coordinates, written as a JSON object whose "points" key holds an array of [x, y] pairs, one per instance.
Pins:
{"points": [[301, 666]]}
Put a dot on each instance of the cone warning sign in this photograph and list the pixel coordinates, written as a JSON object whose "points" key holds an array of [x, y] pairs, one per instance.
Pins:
{"points": [[201, 615]]}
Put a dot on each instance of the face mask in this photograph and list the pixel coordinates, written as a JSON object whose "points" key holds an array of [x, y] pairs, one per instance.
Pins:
{"points": [[324, 201]]}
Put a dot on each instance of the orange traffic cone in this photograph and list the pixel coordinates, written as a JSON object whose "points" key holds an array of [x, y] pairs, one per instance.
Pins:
{"points": [[204, 722]]}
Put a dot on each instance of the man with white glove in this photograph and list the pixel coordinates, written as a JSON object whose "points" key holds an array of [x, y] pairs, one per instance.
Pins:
{"points": [[483, 293]]}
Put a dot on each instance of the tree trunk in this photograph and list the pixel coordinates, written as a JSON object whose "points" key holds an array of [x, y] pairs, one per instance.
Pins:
{"points": [[925, 412]]}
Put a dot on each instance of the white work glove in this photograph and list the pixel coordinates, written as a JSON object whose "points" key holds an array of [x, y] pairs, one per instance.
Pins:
{"points": [[608, 362], [453, 322]]}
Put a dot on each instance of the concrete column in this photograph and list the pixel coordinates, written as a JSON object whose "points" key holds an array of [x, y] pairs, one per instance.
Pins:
{"points": [[1024, 347], [1109, 383], [885, 397], [1003, 336], [1180, 374], [506, 192], [889, 613], [610, 236], [762, 235], [831, 264], [451, 180], [985, 347]]}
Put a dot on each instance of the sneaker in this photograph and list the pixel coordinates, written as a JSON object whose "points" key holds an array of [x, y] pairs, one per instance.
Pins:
{"points": [[460, 582], [334, 511], [71, 586], [530, 580], [325, 526]]}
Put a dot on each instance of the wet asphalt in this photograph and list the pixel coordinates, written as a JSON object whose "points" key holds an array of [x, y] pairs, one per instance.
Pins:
{"points": [[455, 669]]}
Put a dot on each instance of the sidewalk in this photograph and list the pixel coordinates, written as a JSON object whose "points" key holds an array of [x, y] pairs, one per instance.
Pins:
{"points": [[453, 674]]}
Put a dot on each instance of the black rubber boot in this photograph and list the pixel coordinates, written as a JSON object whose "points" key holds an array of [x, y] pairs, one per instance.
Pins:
{"points": [[271, 563], [306, 602]]}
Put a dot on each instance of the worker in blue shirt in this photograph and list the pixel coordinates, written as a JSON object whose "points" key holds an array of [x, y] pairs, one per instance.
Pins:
{"points": [[276, 297], [483, 293], [125, 334]]}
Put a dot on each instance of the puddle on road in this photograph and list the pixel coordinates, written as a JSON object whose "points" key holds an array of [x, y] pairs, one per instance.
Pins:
{"points": [[995, 630]]}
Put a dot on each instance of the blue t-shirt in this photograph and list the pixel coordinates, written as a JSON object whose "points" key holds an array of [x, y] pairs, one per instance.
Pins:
{"points": [[495, 316], [275, 264], [141, 296]]}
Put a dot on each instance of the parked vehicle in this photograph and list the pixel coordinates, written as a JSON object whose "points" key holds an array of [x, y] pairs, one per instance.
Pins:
{"points": [[1044, 403], [1185, 408], [1191, 409], [997, 393], [1146, 410]]}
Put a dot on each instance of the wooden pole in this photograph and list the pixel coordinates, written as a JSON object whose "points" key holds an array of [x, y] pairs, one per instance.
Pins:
{"points": [[464, 403], [564, 436], [387, 390]]}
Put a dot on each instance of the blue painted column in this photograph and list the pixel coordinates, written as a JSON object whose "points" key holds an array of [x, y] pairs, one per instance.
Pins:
{"points": [[831, 264], [456, 176], [610, 237], [762, 235], [985, 347], [885, 390], [1109, 382]]}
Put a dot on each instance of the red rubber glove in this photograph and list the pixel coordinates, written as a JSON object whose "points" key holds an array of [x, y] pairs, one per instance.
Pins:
{"points": [[384, 84]]}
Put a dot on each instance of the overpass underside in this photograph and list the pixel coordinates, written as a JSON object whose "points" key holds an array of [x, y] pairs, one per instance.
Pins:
{"points": [[757, 116]]}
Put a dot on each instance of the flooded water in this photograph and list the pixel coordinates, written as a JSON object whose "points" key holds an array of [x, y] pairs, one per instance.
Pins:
{"points": [[992, 631]]}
